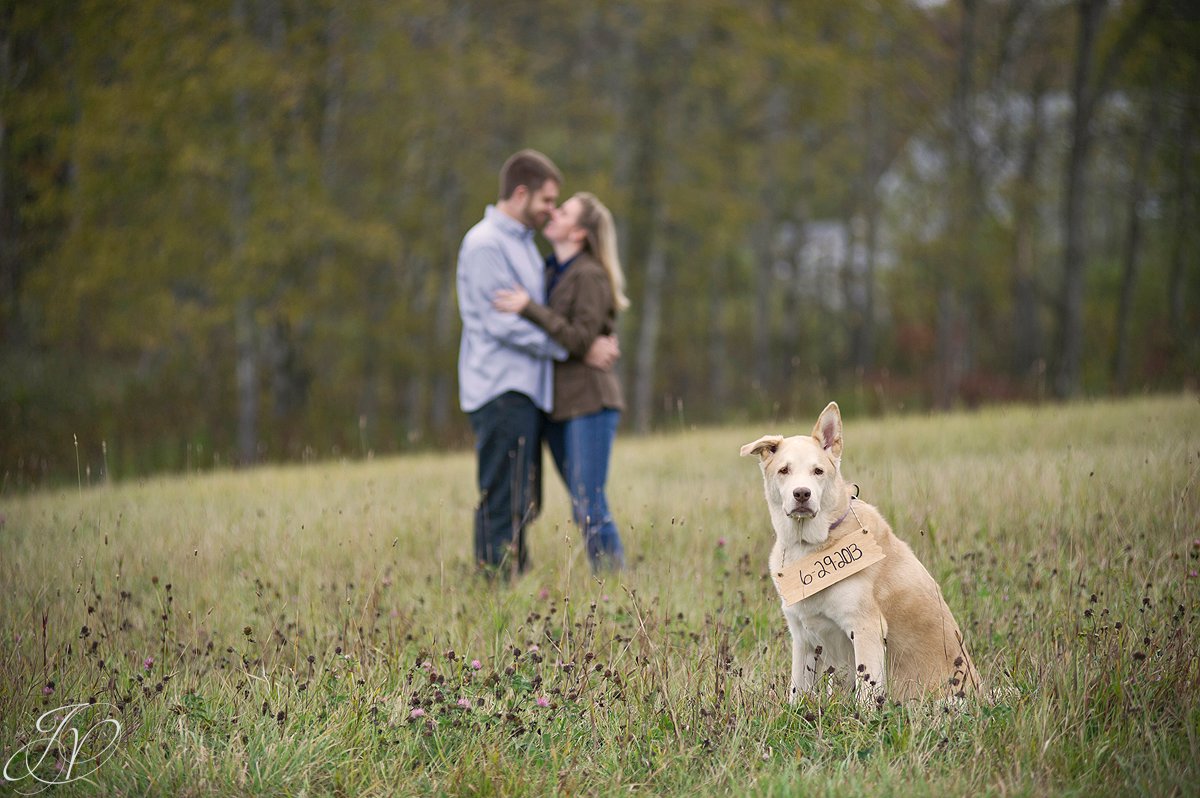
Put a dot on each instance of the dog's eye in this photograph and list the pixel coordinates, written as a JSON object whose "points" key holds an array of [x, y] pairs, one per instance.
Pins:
{"points": [[784, 471], [818, 471]]}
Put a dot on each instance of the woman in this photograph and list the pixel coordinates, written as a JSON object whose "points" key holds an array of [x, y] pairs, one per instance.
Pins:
{"points": [[586, 289]]}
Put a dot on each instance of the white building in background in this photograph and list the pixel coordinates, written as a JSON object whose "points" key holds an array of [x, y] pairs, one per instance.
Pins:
{"points": [[825, 260]]}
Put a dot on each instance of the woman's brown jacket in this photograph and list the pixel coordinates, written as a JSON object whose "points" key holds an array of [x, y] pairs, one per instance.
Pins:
{"points": [[581, 308]]}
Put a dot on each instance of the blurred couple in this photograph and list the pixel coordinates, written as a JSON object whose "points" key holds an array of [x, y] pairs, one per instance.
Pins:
{"points": [[536, 359]]}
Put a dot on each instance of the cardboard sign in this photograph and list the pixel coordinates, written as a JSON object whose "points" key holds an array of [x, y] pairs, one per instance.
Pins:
{"points": [[800, 579]]}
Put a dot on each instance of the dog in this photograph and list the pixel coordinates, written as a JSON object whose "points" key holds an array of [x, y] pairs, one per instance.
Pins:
{"points": [[887, 626]]}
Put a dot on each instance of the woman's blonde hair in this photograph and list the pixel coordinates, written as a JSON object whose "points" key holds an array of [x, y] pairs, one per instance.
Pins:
{"points": [[597, 222]]}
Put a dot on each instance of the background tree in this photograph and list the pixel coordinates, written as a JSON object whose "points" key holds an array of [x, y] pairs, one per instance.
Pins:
{"points": [[228, 231], [1090, 84]]}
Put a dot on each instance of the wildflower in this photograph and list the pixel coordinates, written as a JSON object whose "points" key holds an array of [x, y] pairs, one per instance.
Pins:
{"points": [[417, 713], [720, 543], [47, 690], [476, 664], [427, 665], [1193, 574], [148, 663], [533, 648], [464, 703], [543, 594], [543, 701]]}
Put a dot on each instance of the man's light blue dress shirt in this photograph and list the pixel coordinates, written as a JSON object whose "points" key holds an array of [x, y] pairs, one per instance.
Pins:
{"points": [[502, 352]]}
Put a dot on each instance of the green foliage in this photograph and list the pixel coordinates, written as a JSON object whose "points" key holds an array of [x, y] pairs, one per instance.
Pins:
{"points": [[187, 189]]}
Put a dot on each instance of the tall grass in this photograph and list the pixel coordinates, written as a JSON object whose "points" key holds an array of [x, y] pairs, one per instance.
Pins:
{"points": [[319, 630]]}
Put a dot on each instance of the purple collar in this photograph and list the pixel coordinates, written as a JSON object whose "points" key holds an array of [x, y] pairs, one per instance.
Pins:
{"points": [[836, 523]]}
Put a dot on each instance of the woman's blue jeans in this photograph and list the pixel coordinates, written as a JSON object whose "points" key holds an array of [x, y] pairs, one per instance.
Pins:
{"points": [[581, 448]]}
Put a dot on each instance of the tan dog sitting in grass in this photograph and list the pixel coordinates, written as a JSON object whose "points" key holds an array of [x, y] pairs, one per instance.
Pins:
{"points": [[886, 625]]}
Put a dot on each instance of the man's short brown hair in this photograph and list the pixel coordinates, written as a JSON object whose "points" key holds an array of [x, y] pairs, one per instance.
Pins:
{"points": [[528, 168]]}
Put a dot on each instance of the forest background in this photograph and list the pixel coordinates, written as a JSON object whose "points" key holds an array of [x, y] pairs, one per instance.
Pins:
{"points": [[228, 230]]}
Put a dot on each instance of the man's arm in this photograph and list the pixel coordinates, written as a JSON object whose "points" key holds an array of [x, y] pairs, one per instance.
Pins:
{"points": [[482, 271]]}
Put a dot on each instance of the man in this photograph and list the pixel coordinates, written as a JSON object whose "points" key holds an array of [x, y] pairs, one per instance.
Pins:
{"points": [[505, 363]]}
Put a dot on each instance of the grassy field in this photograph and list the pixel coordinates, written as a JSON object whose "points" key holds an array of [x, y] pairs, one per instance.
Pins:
{"points": [[318, 630]]}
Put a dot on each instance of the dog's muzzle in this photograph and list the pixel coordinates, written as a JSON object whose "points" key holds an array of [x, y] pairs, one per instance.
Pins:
{"points": [[800, 507]]}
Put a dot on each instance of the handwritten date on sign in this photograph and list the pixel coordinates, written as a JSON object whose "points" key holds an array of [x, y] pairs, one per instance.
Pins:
{"points": [[798, 580]]}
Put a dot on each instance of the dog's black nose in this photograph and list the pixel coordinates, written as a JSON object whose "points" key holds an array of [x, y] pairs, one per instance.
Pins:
{"points": [[802, 494]]}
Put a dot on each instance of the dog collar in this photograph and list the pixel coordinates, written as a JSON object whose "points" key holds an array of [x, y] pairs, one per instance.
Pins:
{"points": [[836, 523]]}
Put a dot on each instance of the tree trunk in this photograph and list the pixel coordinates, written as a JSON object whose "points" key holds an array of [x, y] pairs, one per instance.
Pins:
{"points": [[622, 90], [335, 87], [415, 374], [1026, 319], [246, 333], [718, 349], [1086, 95], [1132, 253], [953, 309], [8, 218], [865, 235], [445, 317], [648, 329], [864, 339], [796, 347], [766, 377], [647, 238], [245, 330], [1185, 220], [950, 347], [760, 322], [1070, 304]]}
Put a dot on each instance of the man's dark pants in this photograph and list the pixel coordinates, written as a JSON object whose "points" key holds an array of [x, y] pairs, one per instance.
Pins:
{"points": [[508, 446]]}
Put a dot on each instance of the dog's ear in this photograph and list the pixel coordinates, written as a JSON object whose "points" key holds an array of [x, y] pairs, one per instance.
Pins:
{"points": [[764, 447], [828, 431]]}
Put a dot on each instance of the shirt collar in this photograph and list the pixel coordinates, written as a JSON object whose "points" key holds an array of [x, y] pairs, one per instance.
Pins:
{"points": [[506, 223], [552, 262]]}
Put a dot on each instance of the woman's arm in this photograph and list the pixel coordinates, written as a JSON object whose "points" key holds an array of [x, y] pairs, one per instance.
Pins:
{"points": [[589, 311]]}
